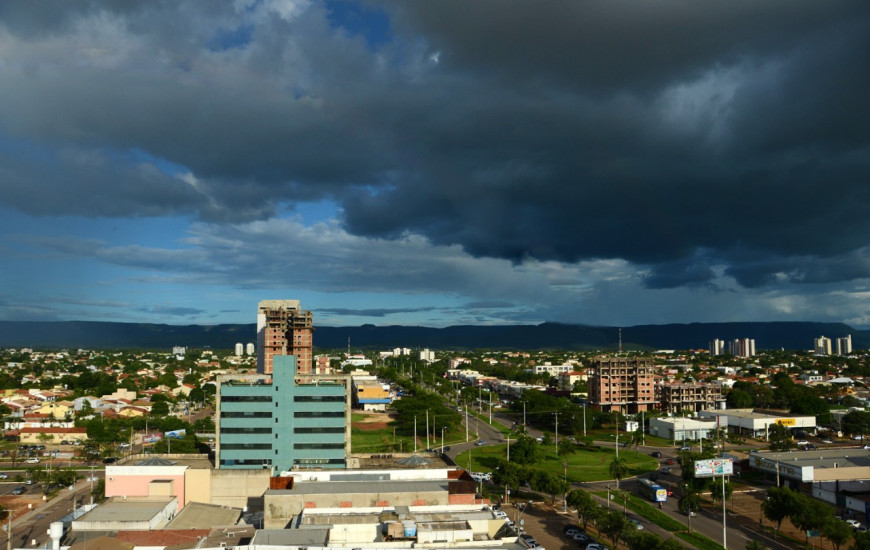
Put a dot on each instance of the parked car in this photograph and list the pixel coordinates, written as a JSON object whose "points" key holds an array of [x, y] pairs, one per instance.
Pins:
{"points": [[20, 490], [666, 470], [581, 538], [854, 523], [595, 546], [827, 442], [656, 454], [670, 461], [638, 525], [32, 461], [802, 442], [4, 476], [685, 448], [481, 443]]}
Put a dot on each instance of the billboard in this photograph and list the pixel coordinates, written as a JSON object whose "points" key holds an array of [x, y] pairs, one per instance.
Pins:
{"points": [[176, 434], [714, 467]]}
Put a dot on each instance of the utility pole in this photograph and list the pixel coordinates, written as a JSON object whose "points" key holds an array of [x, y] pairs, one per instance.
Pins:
{"points": [[415, 433], [524, 416], [427, 429], [490, 408], [466, 422], [557, 429], [584, 418]]}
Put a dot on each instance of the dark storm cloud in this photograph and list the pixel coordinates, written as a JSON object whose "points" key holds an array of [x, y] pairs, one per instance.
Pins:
{"points": [[372, 312], [682, 137]]}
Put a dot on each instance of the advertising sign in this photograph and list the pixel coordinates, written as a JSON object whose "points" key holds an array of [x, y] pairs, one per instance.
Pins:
{"points": [[786, 422], [176, 434], [714, 467]]}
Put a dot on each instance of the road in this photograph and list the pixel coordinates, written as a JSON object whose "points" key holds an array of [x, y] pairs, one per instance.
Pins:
{"points": [[32, 524]]}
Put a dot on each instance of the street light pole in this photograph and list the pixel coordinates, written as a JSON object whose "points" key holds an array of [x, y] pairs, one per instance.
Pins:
{"points": [[565, 495]]}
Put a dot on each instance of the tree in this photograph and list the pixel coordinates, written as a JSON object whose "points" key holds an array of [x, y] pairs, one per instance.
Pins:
{"points": [[566, 448], [614, 525], [836, 531], [525, 451], [716, 490], [779, 438], [618, 469], [161, 408], [507, 474], [587, 507], [689, 503], [755, 544], [550, 484], [779, 504], [810, 514], [643, 540], [856, 423]]}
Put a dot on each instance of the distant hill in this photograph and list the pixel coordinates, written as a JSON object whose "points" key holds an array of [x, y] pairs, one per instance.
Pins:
{"points": [[85, 334]]}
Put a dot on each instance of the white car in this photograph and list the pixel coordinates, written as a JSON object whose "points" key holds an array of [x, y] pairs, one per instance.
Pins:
{"points": [[638, 525], [854, 523], [32, 461], [595, 546], [802, 442]]}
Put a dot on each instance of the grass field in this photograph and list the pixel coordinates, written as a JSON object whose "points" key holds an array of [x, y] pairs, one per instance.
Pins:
{"points": [[584, 465]]}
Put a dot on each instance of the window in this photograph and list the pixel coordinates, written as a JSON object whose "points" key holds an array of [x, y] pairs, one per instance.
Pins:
{"points": [[246, 430], [319, 399], [246, 447], [246, 414], [326, 414], [339, 430], [246, 398], [320, 446]]}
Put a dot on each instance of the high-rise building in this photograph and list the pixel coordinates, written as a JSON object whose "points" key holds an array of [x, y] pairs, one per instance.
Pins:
{"points": [[623, 384], [284, 328], [249, 348], [822, 345], [717, 347], [694, 397], [284, 421], [742, 347], [239, 349], [844, 345]]}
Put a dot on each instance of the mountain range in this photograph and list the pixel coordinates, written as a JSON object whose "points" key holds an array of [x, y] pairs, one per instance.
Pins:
{"points": [[88, 334]]}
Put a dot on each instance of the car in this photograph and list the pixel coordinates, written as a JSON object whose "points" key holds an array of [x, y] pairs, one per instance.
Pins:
{"points": [[32, 461], [4, 476], [685, 448], [581, 538], [572, 530], [527, 537], [862, 529], [481, 443], [638, 525], [854, 523], [827, 442], [666, 470], [20, 490], [656, 454], [28, 482], [110, 460], [124, 446], [670, 461], [501, 514], [595, 546], [858, 437], [802, 442]]}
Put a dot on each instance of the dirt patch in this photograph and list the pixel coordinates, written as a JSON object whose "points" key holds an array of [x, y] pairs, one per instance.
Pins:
{"points": [[373, 421], [370, 426]]}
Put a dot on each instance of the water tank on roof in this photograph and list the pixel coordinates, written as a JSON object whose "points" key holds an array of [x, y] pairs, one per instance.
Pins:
{"points": [[410, 528]]}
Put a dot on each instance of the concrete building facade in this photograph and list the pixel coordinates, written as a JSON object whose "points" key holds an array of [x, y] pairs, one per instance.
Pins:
{"points": [[284, 328], [693, 397], [285, 422], [626, 385]]}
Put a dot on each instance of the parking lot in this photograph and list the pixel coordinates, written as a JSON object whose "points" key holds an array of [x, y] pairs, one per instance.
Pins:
{"points": [[546, 525]]}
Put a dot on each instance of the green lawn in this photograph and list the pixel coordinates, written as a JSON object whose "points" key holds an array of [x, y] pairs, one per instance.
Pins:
{"points": [[584, 465]]}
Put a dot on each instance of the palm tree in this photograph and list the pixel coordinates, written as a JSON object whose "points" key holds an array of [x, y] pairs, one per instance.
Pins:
{"points": [[618, 469]]}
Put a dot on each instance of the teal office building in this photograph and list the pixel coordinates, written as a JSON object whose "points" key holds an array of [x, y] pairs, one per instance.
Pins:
{"points": [[283, 422]]}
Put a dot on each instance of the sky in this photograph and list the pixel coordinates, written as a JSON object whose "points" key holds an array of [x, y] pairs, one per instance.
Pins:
{"points": [[419, 162]]}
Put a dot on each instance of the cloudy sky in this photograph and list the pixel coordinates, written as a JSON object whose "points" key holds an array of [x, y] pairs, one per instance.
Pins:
{"points": [[424, 162]]}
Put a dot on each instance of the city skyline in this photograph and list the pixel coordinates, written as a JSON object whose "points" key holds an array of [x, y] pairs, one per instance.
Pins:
{"points": [[435, 163]]}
